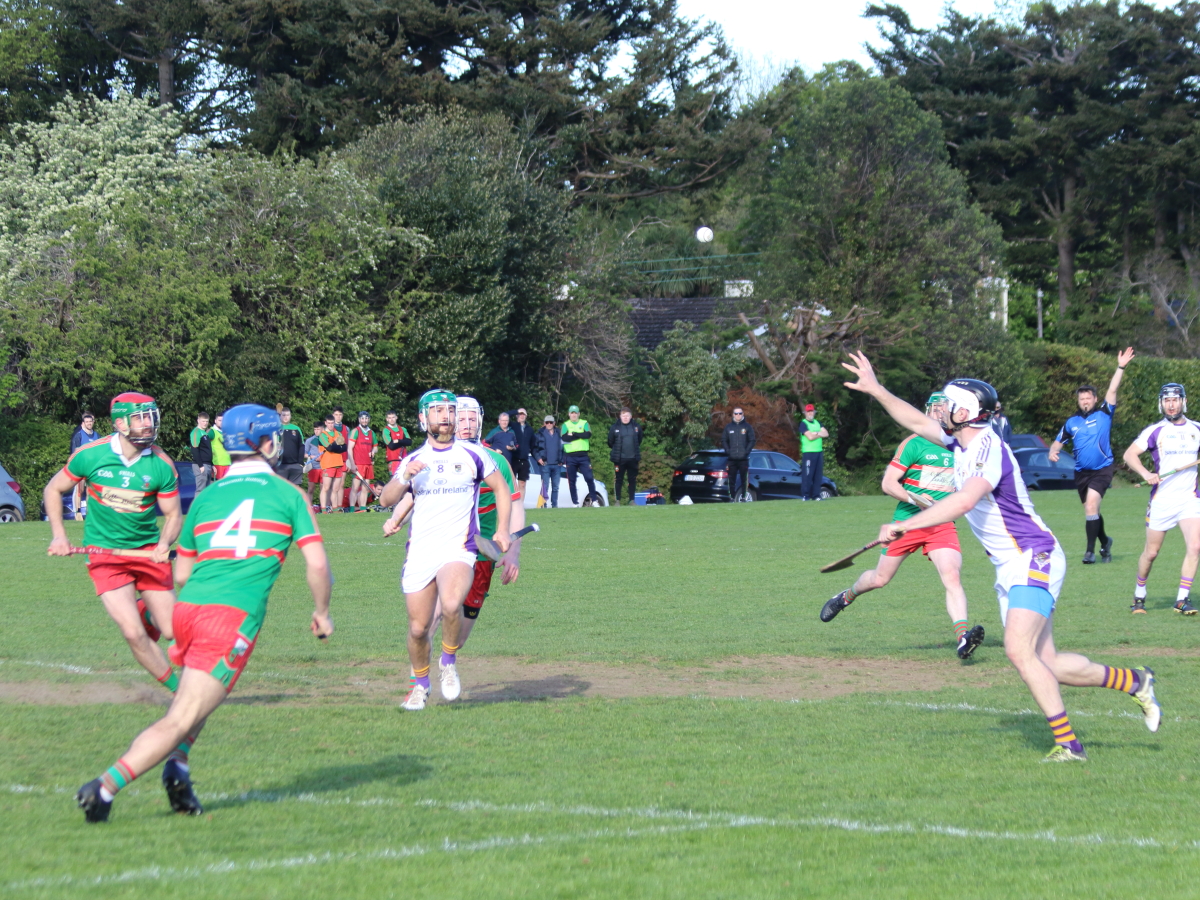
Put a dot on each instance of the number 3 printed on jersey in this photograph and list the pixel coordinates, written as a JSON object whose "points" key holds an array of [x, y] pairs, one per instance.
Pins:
{"points": [[234, 532]]}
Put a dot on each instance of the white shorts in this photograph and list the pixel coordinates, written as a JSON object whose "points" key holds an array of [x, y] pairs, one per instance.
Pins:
{"points": [[1168, 510], [422, 566], [1046, 570]]}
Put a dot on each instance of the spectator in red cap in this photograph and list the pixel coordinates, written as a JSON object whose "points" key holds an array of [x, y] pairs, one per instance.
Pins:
{"points": [[812, 454]]}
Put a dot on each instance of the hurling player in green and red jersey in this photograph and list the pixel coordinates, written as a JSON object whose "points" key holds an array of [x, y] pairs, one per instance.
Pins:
{"points": [[920, 474], [233, 544], [395, 440], [362, 463], [470, 426], [124, 477]]}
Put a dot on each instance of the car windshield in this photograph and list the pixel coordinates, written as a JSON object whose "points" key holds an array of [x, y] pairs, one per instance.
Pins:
{"points": [[705, 458]]}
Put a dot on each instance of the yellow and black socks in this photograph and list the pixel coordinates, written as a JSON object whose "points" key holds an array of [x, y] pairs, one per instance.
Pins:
{"points": [[1127, 680]]}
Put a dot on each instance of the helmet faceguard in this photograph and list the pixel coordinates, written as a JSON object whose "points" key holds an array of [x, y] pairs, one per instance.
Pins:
{"points": [[936, 399], [468, 420], [140, 416], [977, 397], [247, 427], [1173, 390], [435, 408]]}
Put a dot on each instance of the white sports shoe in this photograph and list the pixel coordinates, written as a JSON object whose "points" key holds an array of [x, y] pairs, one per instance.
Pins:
{"points": [[1146, 700], [416, 698], [451, 686]]}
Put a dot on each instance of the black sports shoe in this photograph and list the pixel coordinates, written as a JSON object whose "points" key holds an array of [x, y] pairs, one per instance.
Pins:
{"points": [[1184, 606], [179, 790], [1139, 605], [969, 641], [95, 808], [833, 606], [1106, 550], [1089, 558]]}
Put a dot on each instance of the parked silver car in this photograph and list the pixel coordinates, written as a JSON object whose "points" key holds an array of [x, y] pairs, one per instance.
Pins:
{"points": [[12, 507]]}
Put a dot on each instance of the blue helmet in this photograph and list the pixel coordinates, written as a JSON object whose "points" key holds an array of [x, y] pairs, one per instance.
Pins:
{"points": [[247, 425]]}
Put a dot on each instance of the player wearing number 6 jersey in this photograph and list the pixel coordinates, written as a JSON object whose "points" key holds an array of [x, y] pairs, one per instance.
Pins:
{"points": [[234, 542], [125, 476], [920, 474]]}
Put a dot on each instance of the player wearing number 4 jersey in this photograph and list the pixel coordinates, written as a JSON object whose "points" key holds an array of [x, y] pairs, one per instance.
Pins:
{"points": [[1174, 498], [1029, 562], [444, 477], [125, 476], [920, 474], [235, 539]]}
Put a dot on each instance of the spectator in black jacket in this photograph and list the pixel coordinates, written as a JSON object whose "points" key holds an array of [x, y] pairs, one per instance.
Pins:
{"points": [[625, 451], [548, 451], [737, 440], [524, 449], [291, 457]]}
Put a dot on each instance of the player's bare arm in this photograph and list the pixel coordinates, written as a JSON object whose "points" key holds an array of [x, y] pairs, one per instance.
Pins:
{"points": [[1133, 459], [905, 414], [399, 516], [52, 496], [511, 561], [503, 509], [173, 524], [1123, 359], [891, 485], [183, 570], [1055, 449], [946, 510], [399, 485], [317, 572]]}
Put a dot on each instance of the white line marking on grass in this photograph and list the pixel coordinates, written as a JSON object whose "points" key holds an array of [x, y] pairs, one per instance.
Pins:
{"points": [[78, 670], [967, 707]]}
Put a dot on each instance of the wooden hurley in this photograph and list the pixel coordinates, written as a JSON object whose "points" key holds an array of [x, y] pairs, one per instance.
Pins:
{"points": [[98, 551], [1172, 472], [844, 562]]}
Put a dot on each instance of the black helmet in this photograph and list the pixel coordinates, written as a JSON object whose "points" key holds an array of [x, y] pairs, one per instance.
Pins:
{"points": [[1172, 389], [978, 397]]}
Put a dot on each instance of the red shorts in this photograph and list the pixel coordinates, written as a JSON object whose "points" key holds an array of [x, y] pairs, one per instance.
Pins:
{"points": [[366, 473], [314, 476], [335, 472], [209, 637], [111, 572], [925, 539], [219, 472], [479, 588], [393, 464]]}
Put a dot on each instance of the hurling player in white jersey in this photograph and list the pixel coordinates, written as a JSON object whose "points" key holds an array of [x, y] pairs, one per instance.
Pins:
{"points": [[444, 476], [1030, 564], [1172, 442]]}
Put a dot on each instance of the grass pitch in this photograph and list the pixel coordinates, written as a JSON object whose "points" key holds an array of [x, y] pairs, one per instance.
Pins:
{"points": [[882, 765]]}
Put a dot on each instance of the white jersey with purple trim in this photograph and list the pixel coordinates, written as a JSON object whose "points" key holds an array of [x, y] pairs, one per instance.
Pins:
{"points": [[1004, 521], [446, 497], [1172, 446]]}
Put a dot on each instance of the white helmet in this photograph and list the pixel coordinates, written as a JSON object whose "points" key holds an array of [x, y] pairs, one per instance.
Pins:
{"points": [[467, 405]]}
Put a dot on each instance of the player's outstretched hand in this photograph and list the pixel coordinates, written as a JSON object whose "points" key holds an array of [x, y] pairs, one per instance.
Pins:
{"points": [[861, 366], [511, 562], [1124, 357], [322, 626], [59, 547], [890, 532]]}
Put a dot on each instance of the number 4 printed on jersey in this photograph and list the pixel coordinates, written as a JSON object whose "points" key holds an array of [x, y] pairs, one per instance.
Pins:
{"points": [[234, 532]]}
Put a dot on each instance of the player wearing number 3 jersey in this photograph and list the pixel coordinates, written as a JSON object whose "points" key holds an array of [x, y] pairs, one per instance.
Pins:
{"points": [[234, 542]]}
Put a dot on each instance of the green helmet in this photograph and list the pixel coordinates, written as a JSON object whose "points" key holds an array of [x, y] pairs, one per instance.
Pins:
{"points": [[436, 397], [132, 403], [937, 398]]}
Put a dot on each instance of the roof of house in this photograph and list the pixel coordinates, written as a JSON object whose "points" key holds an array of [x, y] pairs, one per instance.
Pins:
{"points": [[653, 316]]}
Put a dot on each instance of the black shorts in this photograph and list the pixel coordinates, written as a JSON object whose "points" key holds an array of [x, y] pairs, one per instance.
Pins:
{"points": [[520, 468], [1099, 480], [293, 472]]}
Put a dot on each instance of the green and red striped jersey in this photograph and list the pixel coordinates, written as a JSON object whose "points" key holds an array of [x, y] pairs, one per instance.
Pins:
{"points": [[487, 498], [928, 469], [122, 492], [239, 531]]}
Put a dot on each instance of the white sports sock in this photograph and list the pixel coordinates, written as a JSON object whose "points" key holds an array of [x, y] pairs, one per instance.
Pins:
{"points": [[1139, 592], [1181, 594], [105, 795]]}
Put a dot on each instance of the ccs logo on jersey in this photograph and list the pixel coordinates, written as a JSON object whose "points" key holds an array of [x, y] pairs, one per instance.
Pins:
{"points": [[145, 481], [458, 468]]}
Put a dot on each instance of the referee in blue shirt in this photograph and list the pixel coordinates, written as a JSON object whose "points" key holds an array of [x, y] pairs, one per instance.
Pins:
{"points": [[1090, 429]]}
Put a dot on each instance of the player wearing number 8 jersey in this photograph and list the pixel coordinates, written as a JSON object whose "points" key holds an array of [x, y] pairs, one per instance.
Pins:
{"points": [[920, 474], [234, 541], [125, 476]]}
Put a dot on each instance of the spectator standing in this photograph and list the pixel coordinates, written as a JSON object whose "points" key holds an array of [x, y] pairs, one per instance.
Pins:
{"points": [[202, 453], [502, 439], [334, 441], [522, 455], [84, 434], [737, 440], [625, 451], [395, 440], [1001, 425], [577, 442], [291, 456], [548, 451], [362, 463], [812, 454], [220, 456], [312, 459]]}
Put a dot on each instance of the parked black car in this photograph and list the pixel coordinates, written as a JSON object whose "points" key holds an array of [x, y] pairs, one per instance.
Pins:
{"points": [[1031, 441], [704, 476], [1042, 475]]}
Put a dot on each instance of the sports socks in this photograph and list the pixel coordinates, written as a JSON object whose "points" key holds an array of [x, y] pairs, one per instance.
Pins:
{"points": [[421, 677], [179, 755], [1063, 732], [961, 627], [1093, 531], [850, 595], [1126, 680], [448, 654], [1185, 588], [118, 776], [1139, 592], [1101, 533], [169, 680]]}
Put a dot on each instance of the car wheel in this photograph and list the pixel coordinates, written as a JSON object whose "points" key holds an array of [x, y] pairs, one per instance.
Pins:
{"points": [[827, 494], [10, 514], [750, 496]]}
